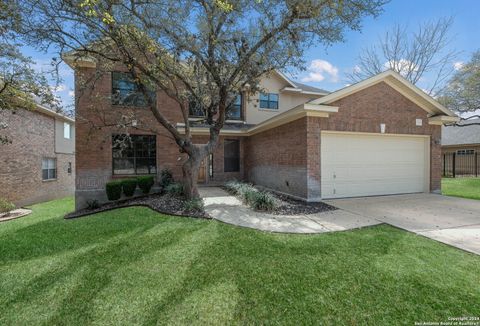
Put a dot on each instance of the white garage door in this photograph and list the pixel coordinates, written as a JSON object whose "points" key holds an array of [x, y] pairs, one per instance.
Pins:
{"points": [[361, 164]]}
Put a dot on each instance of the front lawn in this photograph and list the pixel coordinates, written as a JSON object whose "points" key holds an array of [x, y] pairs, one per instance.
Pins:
{"points": [[134, 266], [461, 187]]}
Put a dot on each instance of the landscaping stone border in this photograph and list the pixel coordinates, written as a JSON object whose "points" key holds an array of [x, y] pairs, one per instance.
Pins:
{"points": [[16, 213], [161, 203]]}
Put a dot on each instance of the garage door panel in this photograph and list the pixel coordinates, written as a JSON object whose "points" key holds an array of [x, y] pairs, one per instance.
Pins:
{"points": [[364, 164]]}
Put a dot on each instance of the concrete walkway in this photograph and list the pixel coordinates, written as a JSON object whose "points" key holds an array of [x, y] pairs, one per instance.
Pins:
{"points": [[224, 207], [454, 221]]}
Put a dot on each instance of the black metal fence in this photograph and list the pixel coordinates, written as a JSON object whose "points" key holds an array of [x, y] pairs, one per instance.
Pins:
{"points": [[465, 165]]}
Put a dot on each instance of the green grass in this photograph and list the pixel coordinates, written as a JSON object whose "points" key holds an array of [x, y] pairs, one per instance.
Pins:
{"points": [[134, 266], [461, 187]]}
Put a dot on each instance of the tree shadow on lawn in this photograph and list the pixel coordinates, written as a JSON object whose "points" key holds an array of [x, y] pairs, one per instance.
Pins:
{"points": [[91, 250], [358, 277], [141, 267]]}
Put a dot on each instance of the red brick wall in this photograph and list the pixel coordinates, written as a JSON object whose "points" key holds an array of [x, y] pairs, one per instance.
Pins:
{"points": [[277, 158], [365, 110], [94, 142], [292, 151], [33, 138]]}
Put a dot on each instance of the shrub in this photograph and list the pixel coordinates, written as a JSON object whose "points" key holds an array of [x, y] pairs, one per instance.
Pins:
{"points": [[263, 201], [92, 204], [6, 206], [249, 195], [175, 189], [195, 204], [166, 178], [145, 183], [114, 190], [129, 186]]}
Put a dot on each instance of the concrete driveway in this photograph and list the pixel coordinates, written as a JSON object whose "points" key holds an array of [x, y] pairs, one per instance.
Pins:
{"points": [[455, 221]]}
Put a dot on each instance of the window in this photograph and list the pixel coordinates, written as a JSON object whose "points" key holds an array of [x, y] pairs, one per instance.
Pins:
{"points": [[231, 155], [235, 110], [195, 109], [134, 154], [269, 101], [66, 130], [465, 152], [126, 92], [49, 168], [69, 168], [210, 166]]}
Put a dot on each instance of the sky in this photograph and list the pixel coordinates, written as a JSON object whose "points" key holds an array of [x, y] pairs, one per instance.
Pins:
{"points": [[327, 66]]}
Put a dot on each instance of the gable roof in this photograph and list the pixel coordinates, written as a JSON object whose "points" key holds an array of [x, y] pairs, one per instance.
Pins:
{"points": [[299, 87], [309, 88], [400, 84], [456, 135]]}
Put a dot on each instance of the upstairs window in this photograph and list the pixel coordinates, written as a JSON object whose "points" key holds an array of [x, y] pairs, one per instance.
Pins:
{"points": [[67, 133], [49, 168], [269, 101], [234, 112], [126, 92], [231, 155], [195, 109], [134, 154]]}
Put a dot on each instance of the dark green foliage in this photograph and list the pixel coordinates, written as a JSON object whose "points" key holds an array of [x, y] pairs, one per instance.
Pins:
{"points": [[195, 204], [114, 190], [175, 189], [129, 186], [145, 183], [263, 201], [92, 204], [166, 178]]}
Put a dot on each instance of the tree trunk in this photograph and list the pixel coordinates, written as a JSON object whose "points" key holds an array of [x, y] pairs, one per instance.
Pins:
{"points": [[190, 176]]}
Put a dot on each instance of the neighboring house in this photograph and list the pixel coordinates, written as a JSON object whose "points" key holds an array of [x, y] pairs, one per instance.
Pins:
{"points": [[461, 148], [462, 140], [39, 164], [380, 136]]}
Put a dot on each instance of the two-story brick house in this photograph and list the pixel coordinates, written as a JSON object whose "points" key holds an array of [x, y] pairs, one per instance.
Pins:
{"points": [[39, 163], [380, 136]]}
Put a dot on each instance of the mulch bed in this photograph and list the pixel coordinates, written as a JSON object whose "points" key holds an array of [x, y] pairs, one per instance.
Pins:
{"points": [[162, 203], [288, 205], [291, 206]]}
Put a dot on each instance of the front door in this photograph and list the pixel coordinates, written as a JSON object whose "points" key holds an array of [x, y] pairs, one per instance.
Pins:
{"points": [[202, 172]]}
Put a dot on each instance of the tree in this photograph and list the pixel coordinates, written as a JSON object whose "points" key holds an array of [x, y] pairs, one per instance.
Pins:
{"points": [[202, 50], [21, 87], [413, 55], [462, 93]]}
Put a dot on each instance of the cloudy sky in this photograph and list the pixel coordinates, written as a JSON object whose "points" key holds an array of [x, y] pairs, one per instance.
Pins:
{"points": [[327, 66]]}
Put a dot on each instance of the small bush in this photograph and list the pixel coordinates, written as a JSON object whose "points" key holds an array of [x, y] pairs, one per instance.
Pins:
{"points": [[6, 206], [263, 201], [175, 189], [114, 190], [166, 178], [129, 186], [195, 204], [249, 195], [145, 183], [259, 200], [92, 204]]}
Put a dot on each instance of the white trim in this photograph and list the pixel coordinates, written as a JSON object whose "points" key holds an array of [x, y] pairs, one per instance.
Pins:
{"points": [[301, 91], [284, 77], [372, 133], [442, 119], [384, 76], [300, 111]]}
